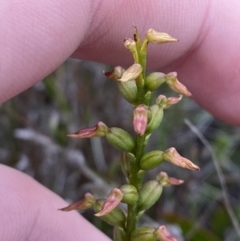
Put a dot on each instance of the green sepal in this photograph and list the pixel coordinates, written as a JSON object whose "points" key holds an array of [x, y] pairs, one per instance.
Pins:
{"points": [[156, 116], [130, 194], [129, 91], [119, 234], [143, 234], [149, 194], [120, 139], [147, 98], [151, 160], [154, 80]]}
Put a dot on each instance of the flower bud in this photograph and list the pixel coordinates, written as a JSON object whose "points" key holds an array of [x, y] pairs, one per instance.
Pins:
{"points": [[115, 74], [131, 45], [130, 194], [119, 234], [149, 194], [151, 160], [129, 91], [140, 119], [131, 73], [111, 202], [173, 156], [96, 131], [116, 217], [120, 139], [165, 180], [156, 115], [158, 37], [175, 85], [163, 234], [144, 234], [165, 102], [87, 202], [154, 80]]}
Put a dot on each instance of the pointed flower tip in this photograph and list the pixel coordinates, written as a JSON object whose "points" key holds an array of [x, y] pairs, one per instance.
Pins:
{"points": [[174, 100], [86, 203], [172, 74], [63, 209], [164, 180], [96, 131], [165, 102], [175, 181], [175, 85], [111, 202], [158, 37], [174, 157]]}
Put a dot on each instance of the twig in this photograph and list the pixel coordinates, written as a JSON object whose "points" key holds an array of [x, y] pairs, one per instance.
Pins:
{"points": [[219, 174], [201, 219], [73, 156]]}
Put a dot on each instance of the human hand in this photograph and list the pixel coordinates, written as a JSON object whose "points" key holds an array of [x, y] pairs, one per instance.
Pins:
{"points": [[29, 212], [37, 36]]}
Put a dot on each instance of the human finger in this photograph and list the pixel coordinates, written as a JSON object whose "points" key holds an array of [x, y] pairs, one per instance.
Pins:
{"points": [[29, 211], [205, 58]]}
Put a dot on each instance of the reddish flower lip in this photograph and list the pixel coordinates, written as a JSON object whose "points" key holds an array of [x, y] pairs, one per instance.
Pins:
{"points": [[176, 85], [163, 234], [165, 102], [96, 131], [165, 180], [174, 157], [86, 203], [111, 202], [84, 133]]}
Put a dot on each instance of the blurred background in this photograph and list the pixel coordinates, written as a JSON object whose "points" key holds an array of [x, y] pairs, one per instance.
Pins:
{"points": [[33, 139]]}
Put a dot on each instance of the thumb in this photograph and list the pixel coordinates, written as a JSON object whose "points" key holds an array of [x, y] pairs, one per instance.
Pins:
{"points": [[29, 212]]}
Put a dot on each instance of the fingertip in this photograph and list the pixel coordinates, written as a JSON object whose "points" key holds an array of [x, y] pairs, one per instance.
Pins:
{"points": [[36, 37]]}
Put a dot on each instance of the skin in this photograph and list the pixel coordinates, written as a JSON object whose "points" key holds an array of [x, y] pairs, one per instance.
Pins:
{"points": [[37, 36]]}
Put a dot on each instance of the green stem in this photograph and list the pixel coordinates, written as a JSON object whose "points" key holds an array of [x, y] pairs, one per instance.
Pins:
{"points": [[141, 90], [135, 180], [131, 221], [139, 147], [142, 60]]}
